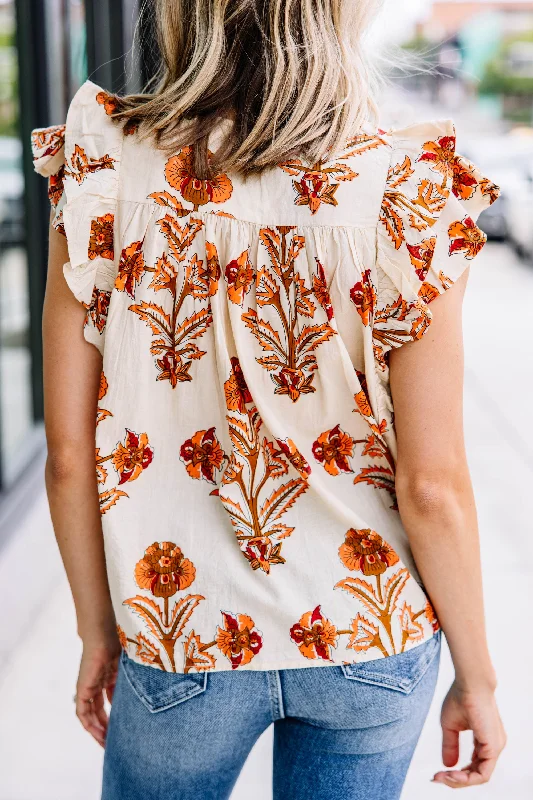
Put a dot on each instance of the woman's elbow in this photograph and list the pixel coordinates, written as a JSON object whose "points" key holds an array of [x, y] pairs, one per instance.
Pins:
{"points": [[65, 464], [431, 495]]}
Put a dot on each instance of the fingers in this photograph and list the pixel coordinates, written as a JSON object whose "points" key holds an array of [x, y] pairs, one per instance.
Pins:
{"points": [[479, 770], [450, 747], [91, 713]]}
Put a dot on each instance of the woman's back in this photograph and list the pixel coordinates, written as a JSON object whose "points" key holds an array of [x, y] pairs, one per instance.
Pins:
{"points": [[245, 408]]}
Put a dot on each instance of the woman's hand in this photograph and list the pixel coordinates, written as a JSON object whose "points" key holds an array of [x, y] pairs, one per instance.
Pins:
{"points": [[97, 676], [476, 711]]}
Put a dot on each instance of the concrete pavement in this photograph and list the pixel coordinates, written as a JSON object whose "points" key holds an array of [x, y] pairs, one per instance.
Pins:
{"points": [[45, 754]]}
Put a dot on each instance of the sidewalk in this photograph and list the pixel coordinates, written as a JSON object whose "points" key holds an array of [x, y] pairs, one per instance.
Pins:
{"points": [[47, 756]]}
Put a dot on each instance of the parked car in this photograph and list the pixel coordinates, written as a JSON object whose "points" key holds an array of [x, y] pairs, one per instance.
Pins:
{"points": [[11, 191]]}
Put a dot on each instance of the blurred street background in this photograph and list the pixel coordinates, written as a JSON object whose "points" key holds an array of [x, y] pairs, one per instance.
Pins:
{"points": [[471, 61]]}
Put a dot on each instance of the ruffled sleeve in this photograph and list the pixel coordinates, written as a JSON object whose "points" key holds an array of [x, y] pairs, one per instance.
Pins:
{"points": [[48, 149], [427, 232], [89, 163]]}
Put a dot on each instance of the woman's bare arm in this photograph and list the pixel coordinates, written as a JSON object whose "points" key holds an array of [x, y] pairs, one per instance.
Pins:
{"points": [[72, 370], [437, 507]]}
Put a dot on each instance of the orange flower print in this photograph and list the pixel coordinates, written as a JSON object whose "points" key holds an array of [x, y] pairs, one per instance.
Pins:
{"points": [[261, 553], [363, 404], [131, 269], [431, 617], [427, 292], [211, 274], [363, 296], [315, 635], [56, 186], [122, 637], [202, 455], [440, 154], [103, 387], [365, 551], [180, 175], [132, 456], [108, 101], [48, 142], [292, 454], [97, 309], [464, 183], [110, 104], [239, 640], [239, 275], [314, 186], [421, 256], [489, 188], [466, 237], [333, 448], [164, 570], [101, 240], [235, 389], [80, 165], [321, 291]]}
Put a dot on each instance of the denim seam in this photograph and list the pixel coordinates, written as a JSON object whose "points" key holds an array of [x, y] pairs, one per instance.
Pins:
{"points": [[275, 694], [192, 692], [389, 682]]}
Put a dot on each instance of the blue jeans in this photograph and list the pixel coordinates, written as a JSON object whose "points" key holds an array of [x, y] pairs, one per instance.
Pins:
{"points": [[339, 732]]}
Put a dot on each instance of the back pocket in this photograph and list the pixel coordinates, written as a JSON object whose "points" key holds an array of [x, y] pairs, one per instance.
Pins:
{"points": [[402, 672], [160, 690]]}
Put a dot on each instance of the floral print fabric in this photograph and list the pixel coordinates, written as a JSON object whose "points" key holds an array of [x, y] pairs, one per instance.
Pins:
{"points": [[245, 447]]}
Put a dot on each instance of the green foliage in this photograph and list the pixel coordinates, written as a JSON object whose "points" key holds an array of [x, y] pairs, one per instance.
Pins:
{"points": [[498, 78]]}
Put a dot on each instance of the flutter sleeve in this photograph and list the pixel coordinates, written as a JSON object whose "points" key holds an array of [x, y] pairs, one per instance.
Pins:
{"points": [[82, 162], [427, 232]]}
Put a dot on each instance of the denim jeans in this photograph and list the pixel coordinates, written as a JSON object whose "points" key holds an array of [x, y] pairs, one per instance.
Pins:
{"points": [[339, 732]]}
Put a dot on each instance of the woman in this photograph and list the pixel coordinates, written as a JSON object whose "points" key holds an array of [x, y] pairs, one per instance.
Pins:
{"points": [[256, 295]]}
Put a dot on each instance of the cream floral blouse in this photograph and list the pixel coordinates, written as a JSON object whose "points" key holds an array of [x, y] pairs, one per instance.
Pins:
{"points": [[245, 447]]}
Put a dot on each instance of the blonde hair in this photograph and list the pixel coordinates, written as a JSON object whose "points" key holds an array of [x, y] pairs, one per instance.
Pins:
{"points": [[292, 75]]}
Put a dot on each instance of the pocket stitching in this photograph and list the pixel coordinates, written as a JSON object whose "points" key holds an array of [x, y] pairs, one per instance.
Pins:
{"points": [[388, 682], [191, 692]]}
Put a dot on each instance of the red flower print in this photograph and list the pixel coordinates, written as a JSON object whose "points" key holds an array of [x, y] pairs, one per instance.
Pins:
{"points": [[101, 240], [332, 449], [321, 290], [239, 640], [421, 255], [98, 309], [130, 269], [261, 552], [464, 183], [292, 454], [292, 382], [132, 456], [365, 551], [202, 455], [466, 237], [363, 296], [163, 570], [315, 635], [179, 172], [235, 389], [441, 154], [239, 275]]}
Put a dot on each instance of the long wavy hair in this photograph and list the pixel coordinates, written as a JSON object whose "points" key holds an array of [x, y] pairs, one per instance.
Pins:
{"points": [[292, 76]]}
